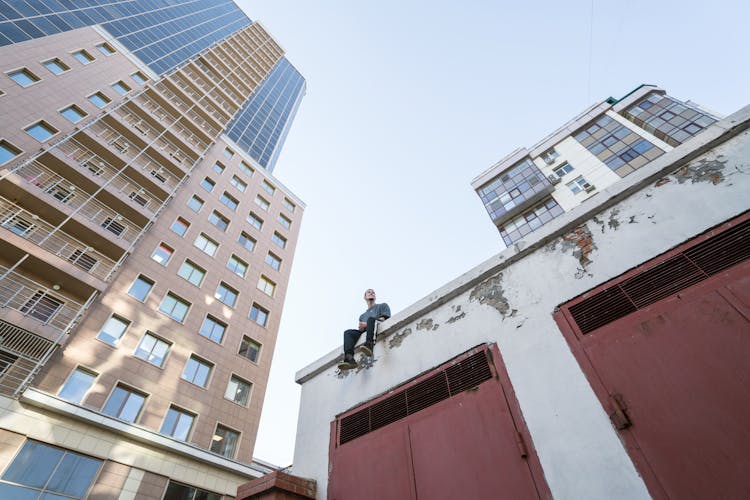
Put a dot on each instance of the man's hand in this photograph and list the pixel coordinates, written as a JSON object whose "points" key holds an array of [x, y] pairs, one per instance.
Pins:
{"points": [[362, 326]]}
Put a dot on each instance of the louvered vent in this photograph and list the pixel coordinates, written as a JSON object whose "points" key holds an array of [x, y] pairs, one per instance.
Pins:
{"points": [[691, 266], [454, 379]]}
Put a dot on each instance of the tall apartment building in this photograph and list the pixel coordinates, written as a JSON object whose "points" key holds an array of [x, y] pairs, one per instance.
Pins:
{"points": [[605, 143], [145, 246]]}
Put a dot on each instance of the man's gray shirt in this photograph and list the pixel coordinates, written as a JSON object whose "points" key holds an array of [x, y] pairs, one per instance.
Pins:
{"points": [[376, 311]]}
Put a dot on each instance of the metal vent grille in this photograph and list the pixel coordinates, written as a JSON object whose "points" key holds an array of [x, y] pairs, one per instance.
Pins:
{"points": [[688, 267], [454, 379]]}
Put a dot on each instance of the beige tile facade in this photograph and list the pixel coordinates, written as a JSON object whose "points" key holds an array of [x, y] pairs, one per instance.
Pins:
{"points": [[81, 215]]}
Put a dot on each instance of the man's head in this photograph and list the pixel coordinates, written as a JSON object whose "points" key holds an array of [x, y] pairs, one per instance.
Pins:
{"points": [[370, 295]]}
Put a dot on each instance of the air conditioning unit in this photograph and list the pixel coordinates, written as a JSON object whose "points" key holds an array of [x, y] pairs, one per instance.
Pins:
{"points": [[553, 178], [589, 187]]}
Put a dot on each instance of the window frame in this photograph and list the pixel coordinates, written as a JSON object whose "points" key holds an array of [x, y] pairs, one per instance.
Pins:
{"points": [[157, 340], [131, 391], [177, 301], [194, 268], [144, 279], [201, 362], [78, 369], [115, 317]]}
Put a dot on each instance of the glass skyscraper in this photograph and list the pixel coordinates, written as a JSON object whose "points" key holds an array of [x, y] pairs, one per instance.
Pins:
{"points": [[164, 34]]}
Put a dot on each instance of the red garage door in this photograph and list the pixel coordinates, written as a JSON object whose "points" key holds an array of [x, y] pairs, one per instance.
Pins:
{"points": [[666, 348], [449, 434]]}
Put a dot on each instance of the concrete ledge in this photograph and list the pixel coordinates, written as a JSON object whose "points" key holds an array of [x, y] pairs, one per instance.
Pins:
{"points": [[712, 137], [278, 485]]}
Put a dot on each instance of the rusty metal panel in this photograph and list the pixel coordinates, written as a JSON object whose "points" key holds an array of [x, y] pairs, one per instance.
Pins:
{"points": [[374, 467], [469, 449], [473, 444], [675, 379]]}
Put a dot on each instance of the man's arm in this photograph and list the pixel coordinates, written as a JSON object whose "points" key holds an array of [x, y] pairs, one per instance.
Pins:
{"points": [[385, 312]]}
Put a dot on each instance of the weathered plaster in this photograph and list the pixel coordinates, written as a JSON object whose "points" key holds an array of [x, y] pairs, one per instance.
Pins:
{"points": [[580, 452]]}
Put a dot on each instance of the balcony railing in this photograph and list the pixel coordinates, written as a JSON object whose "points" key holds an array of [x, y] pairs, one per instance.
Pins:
{"points": [[119, 182], [143, 161], [36, 301], [187, 110], [173, 121], [202, 100], [143, 128], [20, 354], [30, 227], [63, 191]]}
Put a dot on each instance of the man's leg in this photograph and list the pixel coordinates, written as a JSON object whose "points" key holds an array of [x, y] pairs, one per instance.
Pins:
{"points": [[350, 340], [370, 339]]}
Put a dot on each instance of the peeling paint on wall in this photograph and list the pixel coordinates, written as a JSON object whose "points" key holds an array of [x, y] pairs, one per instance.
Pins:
{"points": [[614, 222], [395, 340], [582, 242], [426, 324], [458, 317], [490, 292], [703, 171]]}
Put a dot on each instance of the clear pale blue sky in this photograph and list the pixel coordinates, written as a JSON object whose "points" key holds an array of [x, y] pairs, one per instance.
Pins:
{"points": [[407, 101]]}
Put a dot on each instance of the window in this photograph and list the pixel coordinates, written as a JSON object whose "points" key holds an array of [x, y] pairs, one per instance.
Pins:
{"points": [[41, 131], [206, 244], [228, 153], [139, 78], [99, 100], [578, 185], [82, 260], [249, 349], [60, 193], [279, 240], [195, 204], [177, 424], [255, 221], [238, 390], [18, 224], [140, 288], [124, 403], [246, 169], [113, 226], [262, 203], [77, 385], [121, 87], [563, 169], [225, 441], [56, 66], [208, 184], [259, 315], [289, 205], [174, 307], [7, 151], [43, 471], [24, 77], [273, 261], [226, 294], [238, 183], [180, 226], [213, 329], [237, 266], [229, 200], [218, 168], [247, 241], [42, 306], [197, 371], [113, 330], [550, 156], [192, 273], [284, 221], [268, 187], [152, 349], [105, 49], [266, 286], [176, 491], [83, 57], [218, 220], [162, 254]]}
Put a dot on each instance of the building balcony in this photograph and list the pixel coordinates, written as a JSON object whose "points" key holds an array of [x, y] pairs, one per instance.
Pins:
{"points": [[186, 127], [82, 204], [186, 109], [20, 353], [199, 98], [177, 131], [115, 181], [36, 301], [235, 95], [32, 228]]}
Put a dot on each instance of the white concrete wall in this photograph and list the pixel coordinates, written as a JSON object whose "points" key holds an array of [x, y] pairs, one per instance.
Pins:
{"points": [[631, 222]]}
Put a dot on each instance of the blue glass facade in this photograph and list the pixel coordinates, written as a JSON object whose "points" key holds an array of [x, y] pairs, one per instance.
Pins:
{"points": [[164, 34], [261, 125], [161, 33]]}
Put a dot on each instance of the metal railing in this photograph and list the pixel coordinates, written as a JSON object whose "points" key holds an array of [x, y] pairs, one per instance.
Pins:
{"points": [[119, 182], [20, 351], [36, 301], [142, 160], [30, 227], [143, 128], [168, 119], [67, 193], [187, 110]]}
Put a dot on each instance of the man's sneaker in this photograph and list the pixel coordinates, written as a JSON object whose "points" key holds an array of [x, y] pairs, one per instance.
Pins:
{"points": [[348, 363], [367, 348]]}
